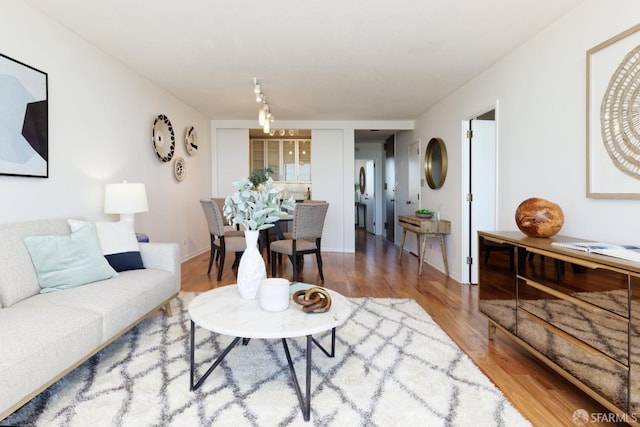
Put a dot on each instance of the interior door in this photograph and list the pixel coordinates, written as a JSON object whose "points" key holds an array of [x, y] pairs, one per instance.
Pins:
{"points": [[390, 188], [482, 187]]}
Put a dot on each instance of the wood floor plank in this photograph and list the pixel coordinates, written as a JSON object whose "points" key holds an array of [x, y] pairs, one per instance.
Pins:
{"points": [[536, 391]]}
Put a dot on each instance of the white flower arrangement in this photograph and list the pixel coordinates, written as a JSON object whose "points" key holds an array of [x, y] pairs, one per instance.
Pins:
{"points": [[255, 208]]}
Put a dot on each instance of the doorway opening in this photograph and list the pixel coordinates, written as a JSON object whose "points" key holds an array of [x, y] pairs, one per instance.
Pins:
{"points": [[372, 148], [284, 155]]}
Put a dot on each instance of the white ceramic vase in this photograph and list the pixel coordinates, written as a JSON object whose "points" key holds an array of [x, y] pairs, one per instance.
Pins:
{"points": [[251, 270]]}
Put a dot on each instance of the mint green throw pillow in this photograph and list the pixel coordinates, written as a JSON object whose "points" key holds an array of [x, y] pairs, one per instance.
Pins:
{"points": [[67, 261]]}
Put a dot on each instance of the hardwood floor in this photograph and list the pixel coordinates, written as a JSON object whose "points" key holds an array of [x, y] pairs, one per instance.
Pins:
{"points": [[541, 395]]}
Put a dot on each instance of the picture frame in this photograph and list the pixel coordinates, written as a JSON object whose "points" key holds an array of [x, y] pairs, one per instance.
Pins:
{"points": [[613, 147], [24, 100]]}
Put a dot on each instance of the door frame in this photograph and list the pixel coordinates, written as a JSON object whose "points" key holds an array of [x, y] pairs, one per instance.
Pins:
{"points": [[467, 187], [414, 189]]}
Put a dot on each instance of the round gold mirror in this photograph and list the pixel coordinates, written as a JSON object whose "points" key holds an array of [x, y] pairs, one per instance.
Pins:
{"points": [[435, 163], [362, 180]]}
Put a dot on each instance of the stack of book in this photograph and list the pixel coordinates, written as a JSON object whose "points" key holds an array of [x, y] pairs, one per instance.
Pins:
{"points": [[627, 252]]}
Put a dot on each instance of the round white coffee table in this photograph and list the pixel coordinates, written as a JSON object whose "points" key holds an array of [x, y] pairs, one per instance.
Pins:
{"points": [[223, 311]]}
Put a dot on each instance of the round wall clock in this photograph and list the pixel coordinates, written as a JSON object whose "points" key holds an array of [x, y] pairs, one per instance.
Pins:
{"points": [[162, 137], [179, 168], [191, 140]]}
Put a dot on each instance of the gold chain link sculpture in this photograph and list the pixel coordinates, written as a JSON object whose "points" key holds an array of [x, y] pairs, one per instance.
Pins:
{"points": [[313, 300]]}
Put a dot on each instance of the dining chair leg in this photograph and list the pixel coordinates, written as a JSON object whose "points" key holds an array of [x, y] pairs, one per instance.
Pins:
{"points": [[273, 264], [319, 258], [319, 262], [221, 264], [294, 260], [211, 255], [236, 261], [210, 261], [295, 269], [266, 244]]}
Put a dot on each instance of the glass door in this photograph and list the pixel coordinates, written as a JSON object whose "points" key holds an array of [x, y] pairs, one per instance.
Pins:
{"points": [[304, 160], [289, 160], [273, 158], [257, 154]]}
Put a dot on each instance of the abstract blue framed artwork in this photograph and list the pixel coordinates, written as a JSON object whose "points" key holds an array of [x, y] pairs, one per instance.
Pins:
{"points": [[24, 120]]}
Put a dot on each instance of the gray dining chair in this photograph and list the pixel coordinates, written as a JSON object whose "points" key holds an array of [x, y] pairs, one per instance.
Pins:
{"points": [[287, 234], [221, 241], [229, 229], [306, 236]]}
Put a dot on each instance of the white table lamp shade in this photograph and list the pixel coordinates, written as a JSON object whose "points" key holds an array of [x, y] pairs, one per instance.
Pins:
{"points": [[125, 199]]}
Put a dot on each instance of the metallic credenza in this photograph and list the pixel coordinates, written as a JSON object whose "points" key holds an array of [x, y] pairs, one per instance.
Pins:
{"points": [[577, 312], [424, 228]]}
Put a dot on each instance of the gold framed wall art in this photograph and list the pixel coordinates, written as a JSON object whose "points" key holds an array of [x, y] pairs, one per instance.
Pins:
{"points": [[613, 117]]}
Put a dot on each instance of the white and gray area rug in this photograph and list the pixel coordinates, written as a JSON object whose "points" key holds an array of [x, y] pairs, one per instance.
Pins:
{"points": [[393, 367]]}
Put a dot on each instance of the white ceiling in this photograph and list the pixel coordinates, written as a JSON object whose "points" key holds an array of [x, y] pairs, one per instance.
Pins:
{"points": [[315, 60]]}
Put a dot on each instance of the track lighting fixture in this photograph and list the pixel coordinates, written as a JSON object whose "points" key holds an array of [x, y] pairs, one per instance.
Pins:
{"points": [[279, 132], [264, 113]]}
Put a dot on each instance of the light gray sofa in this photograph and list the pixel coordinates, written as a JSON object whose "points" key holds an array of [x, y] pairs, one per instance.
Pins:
{"points": [[43, 336]]}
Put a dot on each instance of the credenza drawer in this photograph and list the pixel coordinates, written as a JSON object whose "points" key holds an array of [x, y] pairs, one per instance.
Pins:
{"points": [[601, 329], [597, 371], [590, 282], [497, 285]]}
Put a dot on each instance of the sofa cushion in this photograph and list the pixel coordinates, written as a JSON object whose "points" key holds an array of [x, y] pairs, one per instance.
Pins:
{"points": [[18, 278], [39, 341], [120, 301], [118, 242], [63, 262]]}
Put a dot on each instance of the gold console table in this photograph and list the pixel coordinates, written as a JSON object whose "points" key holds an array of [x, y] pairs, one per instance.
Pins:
{"points": [[425, 227]]}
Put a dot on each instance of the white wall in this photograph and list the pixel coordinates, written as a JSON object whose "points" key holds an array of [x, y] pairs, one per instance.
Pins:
{"points": [[100, 119], [229, 159], [330, 184], [541, 131]]}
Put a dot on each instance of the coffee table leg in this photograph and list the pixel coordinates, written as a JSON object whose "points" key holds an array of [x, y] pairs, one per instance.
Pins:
{"points": [[213, 366], [305, 402], [331, 353], [193, 339]]}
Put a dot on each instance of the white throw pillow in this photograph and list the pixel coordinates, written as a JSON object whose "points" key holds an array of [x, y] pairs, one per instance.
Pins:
{"points": [[118, 242]]}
